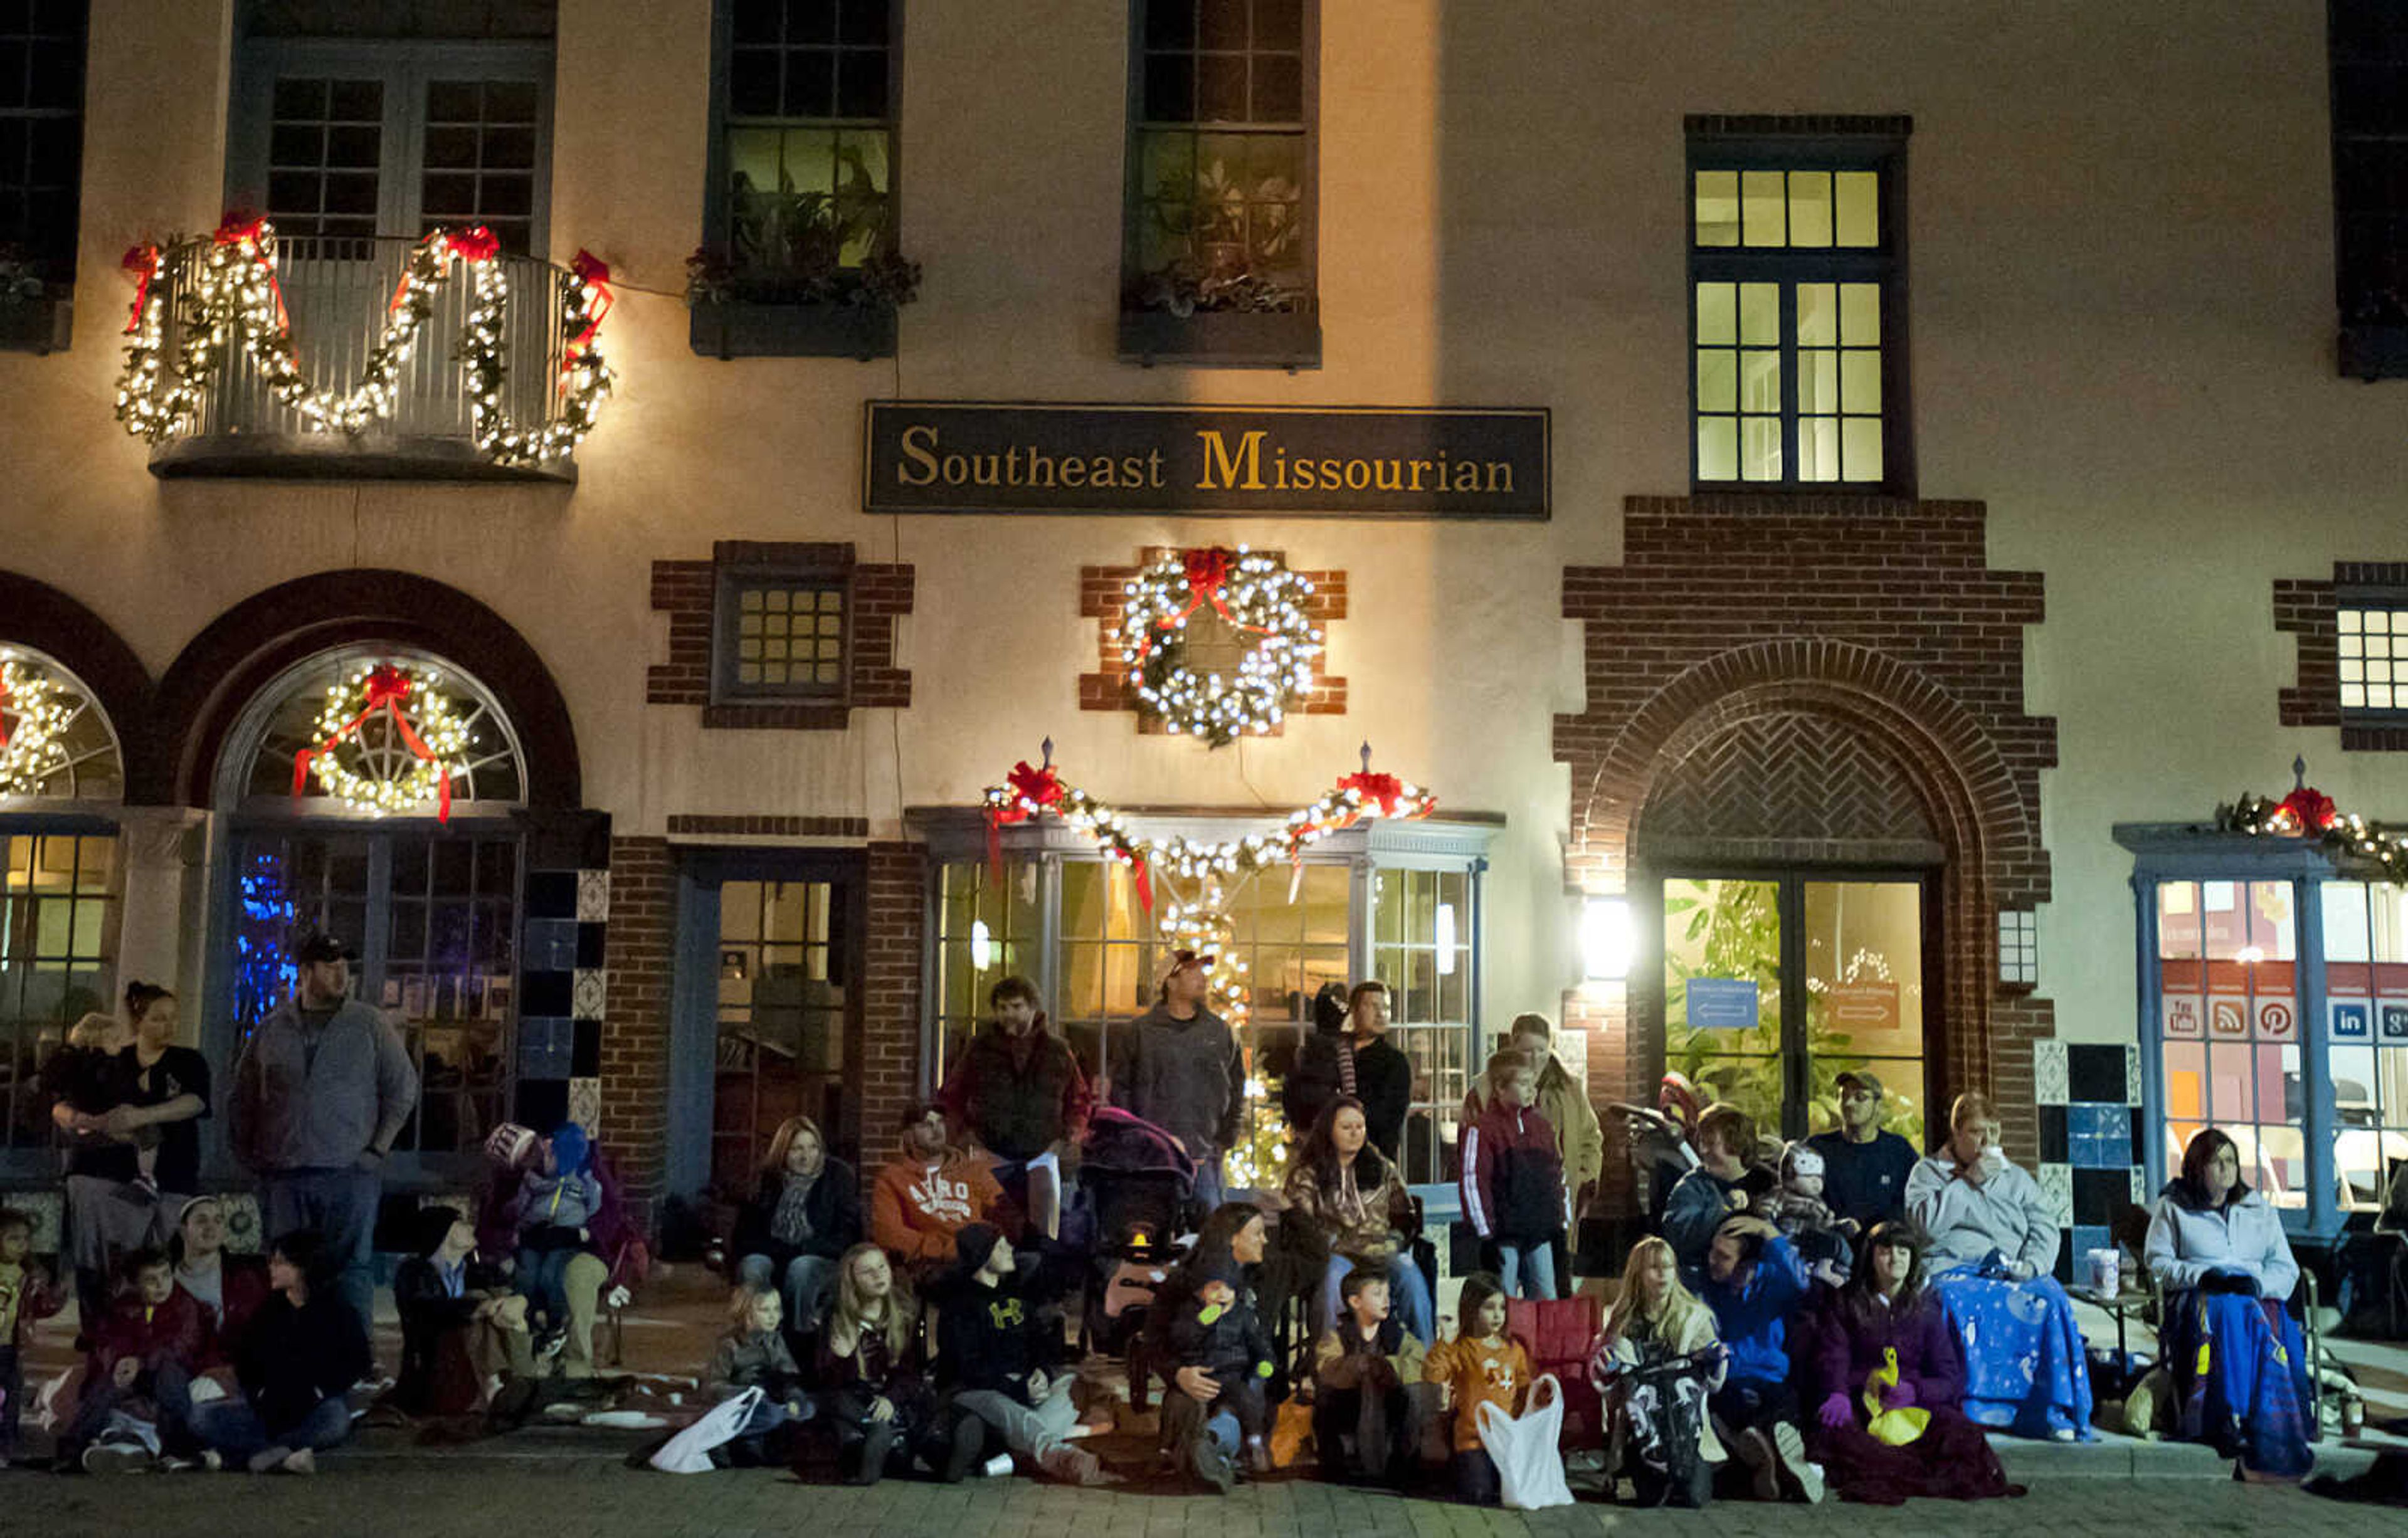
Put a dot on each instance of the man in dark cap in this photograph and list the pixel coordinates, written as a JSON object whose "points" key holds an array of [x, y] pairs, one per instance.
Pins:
{"points": [[1864, 1168], [322, 1091]]}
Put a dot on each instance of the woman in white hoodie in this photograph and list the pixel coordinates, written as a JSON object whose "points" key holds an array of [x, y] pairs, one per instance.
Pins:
{"points": [[2240, 1372]]}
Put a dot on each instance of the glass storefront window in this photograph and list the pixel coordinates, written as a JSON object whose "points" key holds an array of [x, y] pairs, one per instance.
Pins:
{"points": [[1421, 948], [58, 897], [2229, 1021], [2366, 1021]]}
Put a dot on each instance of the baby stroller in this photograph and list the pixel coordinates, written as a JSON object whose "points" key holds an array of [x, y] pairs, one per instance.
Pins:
{"points": [[1138, 1186]]}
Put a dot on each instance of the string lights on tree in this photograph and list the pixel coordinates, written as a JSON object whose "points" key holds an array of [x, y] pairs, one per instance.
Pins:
{"points": [[2309, 813], [33, 720], [1259, 597], [424, 739], [232, 297]]}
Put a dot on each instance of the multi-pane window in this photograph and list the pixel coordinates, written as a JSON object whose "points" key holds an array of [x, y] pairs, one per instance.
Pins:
{"points": [[2374, 647], [780, 637], [58, 897], [1421, 948], [2369, 41], [783, 960], [988, 928], [2366, 1026], [479, 162], [2228, 1027], [1792, 260], [1221, 158], [325, 157], [809, 141], [41, 133]]}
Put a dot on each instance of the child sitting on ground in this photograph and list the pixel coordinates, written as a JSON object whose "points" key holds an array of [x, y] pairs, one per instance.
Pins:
{"points": [[1480, 1366], [753, 1354], [145, 1352], [464, 1333], [1001, 1356], [1656, 1363], [876, 1394], [25, 1295], [557, 1199], [1822, 1238], [1367, 1370]]}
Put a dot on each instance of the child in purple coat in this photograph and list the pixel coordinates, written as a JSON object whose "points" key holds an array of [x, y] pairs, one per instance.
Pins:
{"points": [[1884, 1345]]}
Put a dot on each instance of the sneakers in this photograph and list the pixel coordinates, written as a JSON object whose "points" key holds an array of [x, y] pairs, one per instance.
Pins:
{"points": [[1763, 1464], [268, 1458], [1209, 1463], [302, 1461], [1258, 1455], [1792, 1451], [116, 1458], [1077, 1466]]}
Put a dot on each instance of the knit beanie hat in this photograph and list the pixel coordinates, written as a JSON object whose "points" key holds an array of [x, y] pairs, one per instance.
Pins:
{"points": [[975, 1242], [568, 1148]]}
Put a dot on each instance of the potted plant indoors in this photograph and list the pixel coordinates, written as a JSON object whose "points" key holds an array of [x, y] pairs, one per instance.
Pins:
{"points": [[804, 273]]}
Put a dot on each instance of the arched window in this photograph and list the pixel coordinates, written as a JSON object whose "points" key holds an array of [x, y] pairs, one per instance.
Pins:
{"points": [[331, 780], [60, 778]]}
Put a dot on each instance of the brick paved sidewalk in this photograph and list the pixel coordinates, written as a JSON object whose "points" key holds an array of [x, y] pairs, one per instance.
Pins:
{"points": [[479, 1500]]}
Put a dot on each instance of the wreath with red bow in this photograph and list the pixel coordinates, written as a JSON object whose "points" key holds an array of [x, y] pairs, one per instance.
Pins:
{"points": [[1259, 598]]}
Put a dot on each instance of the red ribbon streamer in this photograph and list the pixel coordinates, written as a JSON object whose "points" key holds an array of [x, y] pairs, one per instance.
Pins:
{"points": [[1141, 874], [142, 262], [595, 273], [1041, 786], [3, 725], [387, 686]]}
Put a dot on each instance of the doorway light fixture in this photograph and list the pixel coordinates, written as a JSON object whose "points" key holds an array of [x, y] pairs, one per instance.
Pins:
{"points": [[1606, 938]]}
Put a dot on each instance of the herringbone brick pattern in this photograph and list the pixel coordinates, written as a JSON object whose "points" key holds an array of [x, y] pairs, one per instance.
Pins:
{"points": [[1787, 776]]}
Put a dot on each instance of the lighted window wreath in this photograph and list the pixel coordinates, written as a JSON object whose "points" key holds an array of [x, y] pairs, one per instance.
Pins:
{"points": [[55, 743], [1261, 599], [378, 732]]}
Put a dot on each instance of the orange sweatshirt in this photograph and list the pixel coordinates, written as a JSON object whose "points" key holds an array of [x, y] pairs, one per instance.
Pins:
{"points": [[1497, 1372], [916, 1208]]}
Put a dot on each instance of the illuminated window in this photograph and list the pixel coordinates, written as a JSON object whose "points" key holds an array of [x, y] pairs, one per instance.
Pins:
{"points": [[805, 189], [780, 637], [59, 898], [2373, 645], [1794, 253]]}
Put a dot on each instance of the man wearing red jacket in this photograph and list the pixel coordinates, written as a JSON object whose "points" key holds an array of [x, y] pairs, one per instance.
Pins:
{"points": [[1513, 1179], [147, 1348]]}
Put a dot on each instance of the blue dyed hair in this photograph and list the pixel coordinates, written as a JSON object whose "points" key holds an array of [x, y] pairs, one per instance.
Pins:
{"points": [[569, 1148]]}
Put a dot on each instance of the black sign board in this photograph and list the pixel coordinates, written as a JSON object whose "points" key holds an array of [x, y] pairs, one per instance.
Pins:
{"points": [[1338, 461]]}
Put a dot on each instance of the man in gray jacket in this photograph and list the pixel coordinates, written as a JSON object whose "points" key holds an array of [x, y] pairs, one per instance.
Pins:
{"points": [[1183, 1071], [320, 1094]]}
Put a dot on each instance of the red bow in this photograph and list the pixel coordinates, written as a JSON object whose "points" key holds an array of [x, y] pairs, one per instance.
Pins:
{"points": [[475, 244], [594, 273], [4, 705], [1208, 571], [1381, 791], [141, 262], [1040, 786], [387, 686], [238, 227], [2310, 808]]}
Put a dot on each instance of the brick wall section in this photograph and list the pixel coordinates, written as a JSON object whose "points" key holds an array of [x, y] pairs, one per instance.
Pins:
{"points": [[1103, 596], [2310, 610], [765, 825], [1878, 613], [635, 1032], [887, 1067], [684, 590]]}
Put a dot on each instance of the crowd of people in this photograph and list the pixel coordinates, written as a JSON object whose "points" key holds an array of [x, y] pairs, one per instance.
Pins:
{"points": [[1841, 1312]]}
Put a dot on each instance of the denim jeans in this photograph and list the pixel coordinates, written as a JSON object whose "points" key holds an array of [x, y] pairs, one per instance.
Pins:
{"points": [[235, 1429], [1409, 1295], [1532, 1265], [1208, 1191], [542, 1278], [169, 1390], [341, 1204], [803, 1288]]}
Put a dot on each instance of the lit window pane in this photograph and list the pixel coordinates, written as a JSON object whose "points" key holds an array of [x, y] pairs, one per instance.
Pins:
{"points": [[1717, 209], [2352, 646], [1717, 460], [1860, 380], [1810, 207], [1760, 450], [1818, 380], [1860, 314], [2353, 670], [1759, 314], [1717, 314], [2348, 620], [1860, 442], [1819, 449], [2377, 621], [1717, 380], [1818, 314], [1760, 381], [1762, 205], [1858, 198]]}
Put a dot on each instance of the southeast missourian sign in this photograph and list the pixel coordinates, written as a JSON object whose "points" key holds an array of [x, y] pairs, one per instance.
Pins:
{"points": [[1359, 462]]}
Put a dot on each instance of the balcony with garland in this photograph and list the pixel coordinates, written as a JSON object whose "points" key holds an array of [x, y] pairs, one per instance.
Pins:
{"points": [[444, 358]]}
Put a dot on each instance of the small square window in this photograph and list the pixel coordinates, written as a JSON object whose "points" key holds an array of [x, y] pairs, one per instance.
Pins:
{"points": [[2372, 644], [782, 636]]}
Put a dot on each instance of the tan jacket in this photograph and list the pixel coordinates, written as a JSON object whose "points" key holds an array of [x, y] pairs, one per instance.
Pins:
{"points": [[1580, 1141], [1368, 1231]]}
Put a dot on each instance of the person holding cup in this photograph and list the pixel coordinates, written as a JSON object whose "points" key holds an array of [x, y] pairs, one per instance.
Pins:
{"points": [[1993, 1246]]}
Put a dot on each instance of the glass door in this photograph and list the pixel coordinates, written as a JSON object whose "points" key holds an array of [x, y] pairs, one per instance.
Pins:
{"points": [[1775, 984]]}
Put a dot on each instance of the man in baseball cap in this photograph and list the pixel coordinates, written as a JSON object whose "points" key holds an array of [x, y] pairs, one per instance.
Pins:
{"points": [[1864, 1167], [1179, 1066]]}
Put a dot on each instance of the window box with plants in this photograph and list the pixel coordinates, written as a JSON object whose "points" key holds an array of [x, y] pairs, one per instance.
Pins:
{"points": [[808, 275], [1177, 316], [35, 315], [1222, 271]]}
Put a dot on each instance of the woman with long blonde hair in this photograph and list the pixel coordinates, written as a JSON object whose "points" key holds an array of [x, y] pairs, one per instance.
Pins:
{"points": [[1655, 1364], [873, 1367], [804, 1212]]}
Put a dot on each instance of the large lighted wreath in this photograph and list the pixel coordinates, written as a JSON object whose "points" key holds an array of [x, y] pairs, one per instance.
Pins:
{"points": [[412, 765], [1258, 596], [31, 718]]}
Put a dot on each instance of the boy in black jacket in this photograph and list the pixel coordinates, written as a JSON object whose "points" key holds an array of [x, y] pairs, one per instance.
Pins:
{"points": [[1001, 1356], [464, 1331]]}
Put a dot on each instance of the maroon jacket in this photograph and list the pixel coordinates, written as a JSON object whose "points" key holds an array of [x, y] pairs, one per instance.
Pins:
{"points": [[1513, 1177], [242, 1284], [1848, 1350], [175, 1330]]}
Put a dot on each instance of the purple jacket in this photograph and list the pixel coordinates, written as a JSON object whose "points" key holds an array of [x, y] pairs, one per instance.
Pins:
{"points": [[1848, 1351]]}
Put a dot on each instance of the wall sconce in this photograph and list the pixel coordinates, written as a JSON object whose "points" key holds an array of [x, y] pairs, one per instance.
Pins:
{"points": [[1607, 943], [1445, 939], [2018, 948], [982, 946]]}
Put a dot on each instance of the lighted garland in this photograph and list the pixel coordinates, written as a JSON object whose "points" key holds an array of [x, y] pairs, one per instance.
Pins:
{"points": [[1258, 595], [33, 723], [429, 728], [2309, 813], [235, 297]]}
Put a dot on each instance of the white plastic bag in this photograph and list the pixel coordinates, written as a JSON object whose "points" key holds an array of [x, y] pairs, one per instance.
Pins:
{"points": [[689, 1451], [1530, 1465]]}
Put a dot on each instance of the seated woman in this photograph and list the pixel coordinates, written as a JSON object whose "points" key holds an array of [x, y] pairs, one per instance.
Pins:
{"points": [[1886, 1351], [804, 1214], [1993, 1244], [1656, 1364], [1355, 1200], [2241, 1370], [300, 1356], [1206, 1331]]}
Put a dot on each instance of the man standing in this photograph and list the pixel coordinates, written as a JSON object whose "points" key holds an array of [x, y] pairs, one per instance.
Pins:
{"points": [[1864, 1168], [1016, 1088], [320, 1094], [1354, 1057], [1184, 1074]]}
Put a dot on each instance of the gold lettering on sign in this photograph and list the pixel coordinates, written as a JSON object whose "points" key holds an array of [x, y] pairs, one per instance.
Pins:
{"points": [[1217, 460]]}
